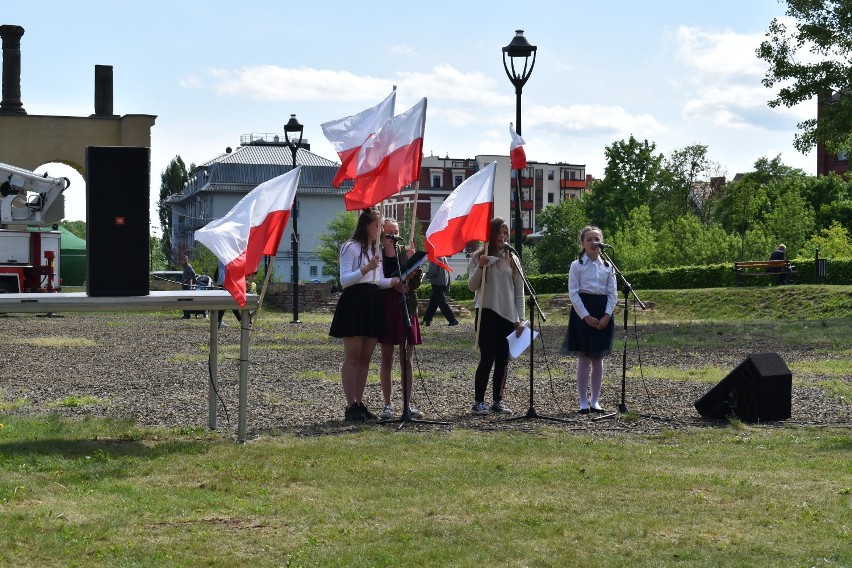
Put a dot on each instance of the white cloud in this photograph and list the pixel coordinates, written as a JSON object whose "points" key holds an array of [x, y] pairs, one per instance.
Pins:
{"points": [[401, 50], [274, 83], [591, 120], [721, 78]]}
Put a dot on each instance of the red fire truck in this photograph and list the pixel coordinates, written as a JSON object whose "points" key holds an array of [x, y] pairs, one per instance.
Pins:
{"points": [[29, 259]]}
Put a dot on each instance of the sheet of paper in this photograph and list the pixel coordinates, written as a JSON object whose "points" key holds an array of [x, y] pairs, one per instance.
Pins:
{"points": [[518, 345]]}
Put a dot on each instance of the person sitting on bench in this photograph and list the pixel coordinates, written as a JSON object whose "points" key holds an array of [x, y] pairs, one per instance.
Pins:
{"points": [[779, 254]]}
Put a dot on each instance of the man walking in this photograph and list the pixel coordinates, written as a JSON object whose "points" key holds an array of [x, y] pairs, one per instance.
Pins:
{"points": [[439, 278], [187, 281]]}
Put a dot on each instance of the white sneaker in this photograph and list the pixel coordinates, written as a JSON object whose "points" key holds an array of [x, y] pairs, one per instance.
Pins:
{"points": [[387, 412], [414, 411]]}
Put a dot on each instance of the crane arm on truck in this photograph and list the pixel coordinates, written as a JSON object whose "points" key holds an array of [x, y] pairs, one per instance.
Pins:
{"points": [[28, 198]]}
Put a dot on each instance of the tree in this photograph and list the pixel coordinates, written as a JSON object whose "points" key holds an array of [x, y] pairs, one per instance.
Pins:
{"points": [[791, 221], [814, 60], [172, 181], [76, 228], [831, 198], [635, 242], [560, 239], [340, 229], [685, 241], [631, 174], [686, 185], [833, 242]]}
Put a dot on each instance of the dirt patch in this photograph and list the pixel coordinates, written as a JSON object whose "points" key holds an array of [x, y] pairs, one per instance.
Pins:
{"points": [[153, 368]]}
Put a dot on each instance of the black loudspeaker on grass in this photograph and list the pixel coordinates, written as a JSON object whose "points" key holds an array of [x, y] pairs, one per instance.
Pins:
{"points": [[759, 389], [117, 221]]}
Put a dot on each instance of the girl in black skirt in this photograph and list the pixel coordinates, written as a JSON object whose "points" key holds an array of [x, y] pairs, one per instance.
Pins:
{"points": [[358, 317], [592, 289]]}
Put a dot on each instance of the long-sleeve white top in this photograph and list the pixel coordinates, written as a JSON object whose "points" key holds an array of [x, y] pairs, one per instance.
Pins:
{"points": [[351, 262], [591, 277]]}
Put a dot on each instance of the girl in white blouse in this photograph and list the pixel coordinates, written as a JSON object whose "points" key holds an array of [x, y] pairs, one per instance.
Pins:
{"points": [[593, 293], [358, 317]]}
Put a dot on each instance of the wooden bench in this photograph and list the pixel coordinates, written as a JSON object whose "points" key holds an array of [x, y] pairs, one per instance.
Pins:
{"points": [[780, 269]]}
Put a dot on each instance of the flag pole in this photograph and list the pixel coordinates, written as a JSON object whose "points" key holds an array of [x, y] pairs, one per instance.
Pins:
{"points": [[414, 213], [254, 319], [481, 290]]}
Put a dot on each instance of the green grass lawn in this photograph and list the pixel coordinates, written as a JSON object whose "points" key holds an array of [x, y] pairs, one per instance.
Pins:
{"points": [[99, 493]]}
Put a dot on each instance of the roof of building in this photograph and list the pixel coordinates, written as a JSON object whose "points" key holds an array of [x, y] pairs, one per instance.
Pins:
{"points": [[271, 155]]}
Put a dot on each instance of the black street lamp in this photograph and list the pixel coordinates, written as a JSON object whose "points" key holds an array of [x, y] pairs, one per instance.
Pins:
{"points": [[519, 50], [293, 127]]}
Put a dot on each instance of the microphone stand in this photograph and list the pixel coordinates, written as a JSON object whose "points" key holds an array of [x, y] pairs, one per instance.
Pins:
{"points": [[405, 417], [628, 290], [532, 302]]}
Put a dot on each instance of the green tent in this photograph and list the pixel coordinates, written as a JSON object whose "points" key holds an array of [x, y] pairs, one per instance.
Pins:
{"points": [[72, 258]]}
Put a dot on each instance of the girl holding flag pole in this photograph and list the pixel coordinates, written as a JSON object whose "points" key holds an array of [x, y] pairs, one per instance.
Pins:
{"points": [[499, 300], [358, 317]]}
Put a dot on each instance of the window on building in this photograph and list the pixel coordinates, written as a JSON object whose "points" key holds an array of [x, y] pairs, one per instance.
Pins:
{"points": [[457, 180], [436, 181], [313, 271], [843, 156], [550, 198], [325, 271], [550, 175]]}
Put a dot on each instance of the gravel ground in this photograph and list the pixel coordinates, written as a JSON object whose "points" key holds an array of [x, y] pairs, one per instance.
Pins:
{"points": [[153, 368]]}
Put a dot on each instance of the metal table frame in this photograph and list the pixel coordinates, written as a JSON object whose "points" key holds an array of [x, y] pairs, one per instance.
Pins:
{"points": [[212, 300]]}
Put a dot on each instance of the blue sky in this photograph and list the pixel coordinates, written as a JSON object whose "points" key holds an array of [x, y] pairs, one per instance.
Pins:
{"points": [[675, 73]]}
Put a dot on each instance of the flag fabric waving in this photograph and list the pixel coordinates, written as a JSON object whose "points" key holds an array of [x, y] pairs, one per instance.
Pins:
{"points": [[516, 150], [390, 159], [250, 230], [463, 217], [348, 134]]}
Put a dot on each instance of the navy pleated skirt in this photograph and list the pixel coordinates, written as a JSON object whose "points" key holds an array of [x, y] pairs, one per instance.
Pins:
{"points": [[583, 339]]}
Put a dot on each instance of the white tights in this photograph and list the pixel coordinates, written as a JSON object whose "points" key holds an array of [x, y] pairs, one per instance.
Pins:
{"points": [[589, 368]]}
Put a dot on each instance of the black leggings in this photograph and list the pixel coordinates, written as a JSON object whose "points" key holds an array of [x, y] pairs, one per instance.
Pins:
{"points": [[493, 352]]}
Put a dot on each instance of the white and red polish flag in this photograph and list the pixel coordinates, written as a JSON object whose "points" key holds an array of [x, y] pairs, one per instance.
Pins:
{"points": [[250, 230], [389, 160], [463, 217], [348, 134], [516, 150]]}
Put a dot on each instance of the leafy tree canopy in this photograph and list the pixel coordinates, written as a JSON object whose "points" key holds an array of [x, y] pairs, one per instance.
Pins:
{"points": [[631, 175], [812, 57], [172, 181], [76, 228], [340, 229], [560, 241]]}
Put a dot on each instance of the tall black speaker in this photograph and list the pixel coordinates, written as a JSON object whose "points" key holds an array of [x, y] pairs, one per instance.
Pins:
{"points": [[117, 221], [759, 389]]}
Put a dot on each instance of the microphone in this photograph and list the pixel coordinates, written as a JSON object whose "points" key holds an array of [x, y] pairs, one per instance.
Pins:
{"points": [[392, 237], [603, 246]]}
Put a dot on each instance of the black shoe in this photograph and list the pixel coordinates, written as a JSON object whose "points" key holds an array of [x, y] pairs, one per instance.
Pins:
{"points": [[186, 317], [354, 414], [367, 414], [597, 409], [584, 411], [426, 323], [452, 323]]}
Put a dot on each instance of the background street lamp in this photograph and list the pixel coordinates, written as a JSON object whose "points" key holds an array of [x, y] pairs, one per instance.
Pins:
{"points": [[518, 51], [293, 127]]}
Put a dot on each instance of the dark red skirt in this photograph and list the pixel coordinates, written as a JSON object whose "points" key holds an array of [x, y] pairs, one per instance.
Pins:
{"points": [[395, 322]]}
